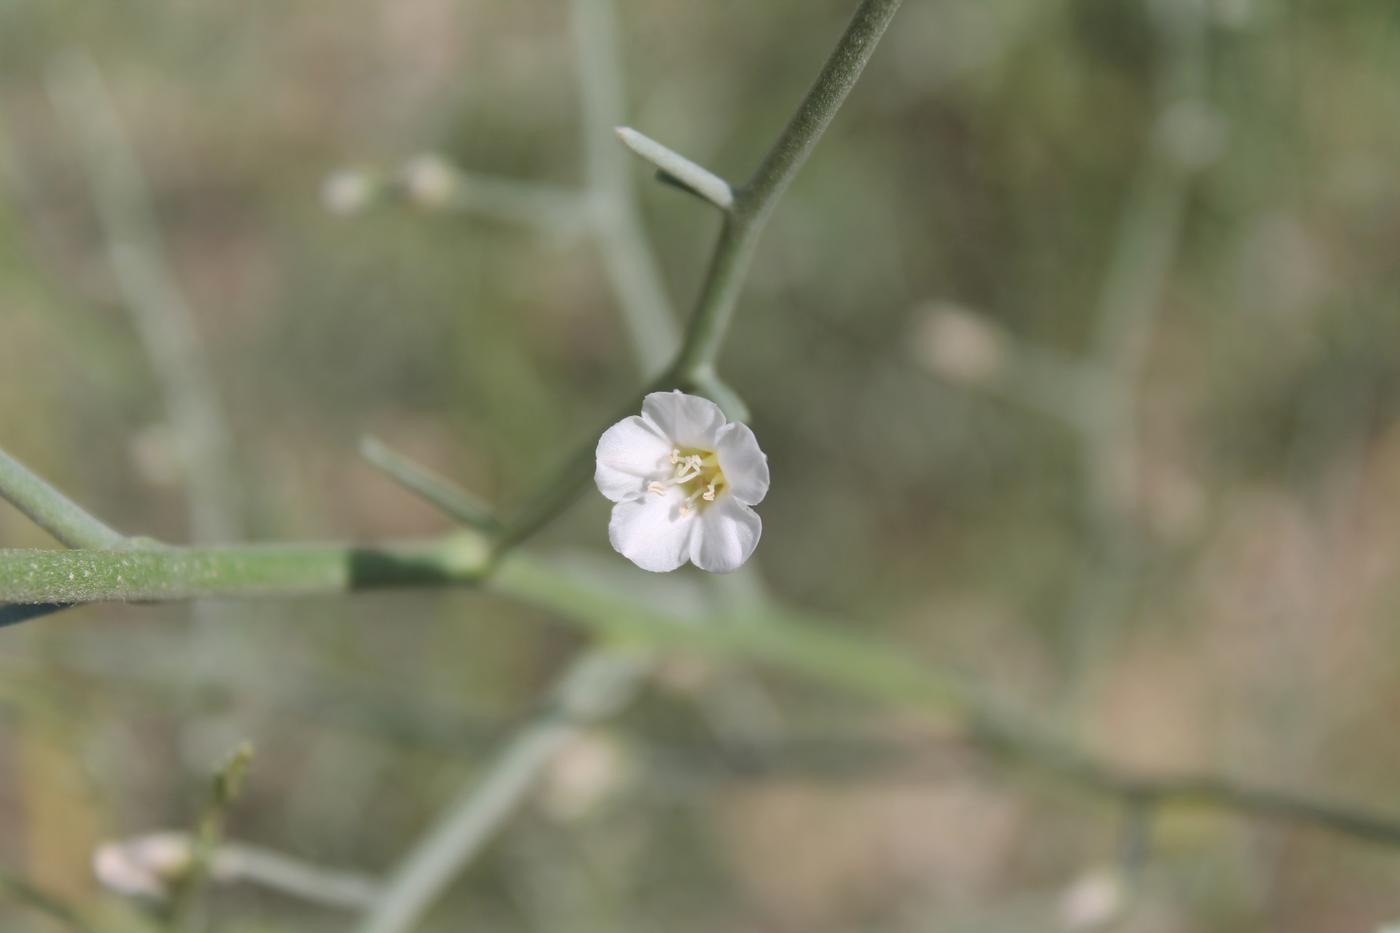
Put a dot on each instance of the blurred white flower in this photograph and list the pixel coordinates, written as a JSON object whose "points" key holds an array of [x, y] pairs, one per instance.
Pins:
{"points": [[1095, 899], [347, 191], [959, 345], [683, 478], [583, 775], [430, 180], [143, 866]]}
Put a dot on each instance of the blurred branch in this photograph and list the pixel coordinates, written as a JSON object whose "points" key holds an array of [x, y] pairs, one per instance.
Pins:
{"points": [[152, 865], [19, 891], [1098, 395], [447, 496], [1149, 793], [606, 206], [1130, 303], [818, 650], [147, 285], [593, 688], [969, 349], [679, 170], [224, 789], [789, 642], [432, 182], [235, 861], [626, 250]]}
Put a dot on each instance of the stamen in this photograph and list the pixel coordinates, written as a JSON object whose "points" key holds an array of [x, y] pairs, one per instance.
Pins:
{"points": [[698, 473], [686, 472]]}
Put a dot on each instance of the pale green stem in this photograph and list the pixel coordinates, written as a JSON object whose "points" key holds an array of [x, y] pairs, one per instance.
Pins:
{"points": [[147, 285], [553, 209], [1130, 302], [239, 862], [181, 573], [625, 249], [787, 642], [224, 789], [447, 496], [51, 510], [593, 688]]}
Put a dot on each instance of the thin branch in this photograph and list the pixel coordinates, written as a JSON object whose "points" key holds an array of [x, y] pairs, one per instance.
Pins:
{"points": [[817, 650], [276, 871], [51, 510], [754, 203], [1131, 301], [444, 494], [607, 205], [593, 688], [694, 178], [224, 789], [147, 285], [159, 864], [1185, 790], [433, 182], [626, 250]]}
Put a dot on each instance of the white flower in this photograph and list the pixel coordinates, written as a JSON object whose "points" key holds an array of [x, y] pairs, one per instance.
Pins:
{"points": [[143, 866], [683, 479]]}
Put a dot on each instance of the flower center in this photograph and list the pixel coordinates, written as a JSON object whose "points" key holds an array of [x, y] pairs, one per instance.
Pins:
{"points": [[698, 475]]}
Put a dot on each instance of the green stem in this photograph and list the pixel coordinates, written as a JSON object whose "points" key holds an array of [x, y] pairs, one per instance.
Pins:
{"points": [[439, 491], [51, 510], [625, 250], [163, 318], [164, 574]]}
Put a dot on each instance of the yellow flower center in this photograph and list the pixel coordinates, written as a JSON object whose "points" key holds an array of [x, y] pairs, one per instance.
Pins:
{"points": [[698, 475]]}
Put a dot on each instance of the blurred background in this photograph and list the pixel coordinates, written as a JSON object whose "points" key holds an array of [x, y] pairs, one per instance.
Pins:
{"points": [[1074, 351]]}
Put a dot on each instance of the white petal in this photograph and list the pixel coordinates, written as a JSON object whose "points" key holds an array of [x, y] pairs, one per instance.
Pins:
{"points": [[745, 466], [630, 453], [725, 535], [689, 420], [651, 532]]}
